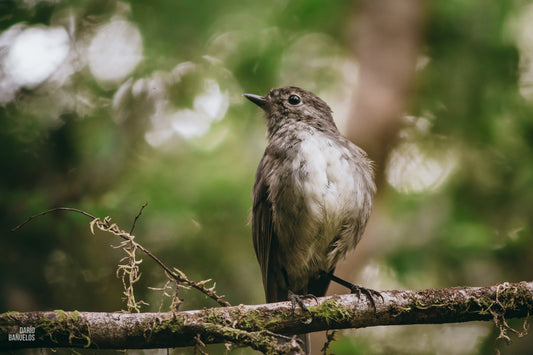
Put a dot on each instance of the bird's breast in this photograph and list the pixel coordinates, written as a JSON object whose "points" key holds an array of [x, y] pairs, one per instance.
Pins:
{"points": [[323, 174], [315, 195]]}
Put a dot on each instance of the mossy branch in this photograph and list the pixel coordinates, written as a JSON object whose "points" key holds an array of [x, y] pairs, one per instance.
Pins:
{"points": [[266, 327]]}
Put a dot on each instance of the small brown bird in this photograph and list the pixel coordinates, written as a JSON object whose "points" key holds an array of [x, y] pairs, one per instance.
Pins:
{"points": [[312, 195]]}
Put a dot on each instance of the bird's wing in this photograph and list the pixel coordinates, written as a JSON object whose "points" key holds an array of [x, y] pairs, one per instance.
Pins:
{"points": [[265, 239]]}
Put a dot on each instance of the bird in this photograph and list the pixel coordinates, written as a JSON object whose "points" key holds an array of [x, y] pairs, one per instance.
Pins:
{"points": [[312, 195]]}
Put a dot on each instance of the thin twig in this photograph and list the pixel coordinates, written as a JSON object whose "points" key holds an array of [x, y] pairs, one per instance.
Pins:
{"points": [[137, 217], [175, 274], [198, 345], [52, 210], [106, 226], [330, 337]]}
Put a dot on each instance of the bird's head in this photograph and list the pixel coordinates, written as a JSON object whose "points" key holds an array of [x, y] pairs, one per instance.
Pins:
{"points": [[292, 104]]}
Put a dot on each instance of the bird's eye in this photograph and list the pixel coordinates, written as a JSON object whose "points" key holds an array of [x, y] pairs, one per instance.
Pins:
{"points": [[294, 99]]}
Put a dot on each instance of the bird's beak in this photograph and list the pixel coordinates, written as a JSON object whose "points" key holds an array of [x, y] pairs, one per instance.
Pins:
{"points": [[256, 99]]}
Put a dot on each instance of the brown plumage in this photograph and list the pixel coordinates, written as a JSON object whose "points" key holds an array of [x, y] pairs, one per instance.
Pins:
{"points": [[312, 195]]}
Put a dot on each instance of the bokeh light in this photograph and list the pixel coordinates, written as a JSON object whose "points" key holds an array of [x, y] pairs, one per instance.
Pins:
{"points": [[33, 55], [115, 51]]}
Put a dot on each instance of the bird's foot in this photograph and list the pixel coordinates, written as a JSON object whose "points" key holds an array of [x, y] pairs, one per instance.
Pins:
{"points": [[298, 300], [368, 292]]}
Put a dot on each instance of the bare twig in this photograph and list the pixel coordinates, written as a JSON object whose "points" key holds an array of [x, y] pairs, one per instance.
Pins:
{"points": [[175, 274], [330, 337], [170, 286], [198, 347], [49, 211], [137, 217]]}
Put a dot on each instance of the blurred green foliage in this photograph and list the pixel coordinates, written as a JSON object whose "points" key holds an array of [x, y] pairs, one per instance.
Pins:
{"points": [[85, 143]]}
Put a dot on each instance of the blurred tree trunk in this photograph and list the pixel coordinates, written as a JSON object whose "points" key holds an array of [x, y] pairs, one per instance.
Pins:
{"points": [[386, 44]]}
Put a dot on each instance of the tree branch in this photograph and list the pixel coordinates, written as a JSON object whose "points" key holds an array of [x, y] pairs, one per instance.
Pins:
{"points": [[262, 326]]}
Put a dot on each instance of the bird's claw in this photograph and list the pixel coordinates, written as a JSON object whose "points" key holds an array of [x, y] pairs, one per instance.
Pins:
{"points": [[368, 292], [298, 300]]}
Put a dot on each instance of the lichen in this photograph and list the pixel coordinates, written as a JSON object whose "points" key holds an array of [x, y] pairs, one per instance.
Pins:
{"points": [[249, 320], [66, 324], [507, 299]]}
